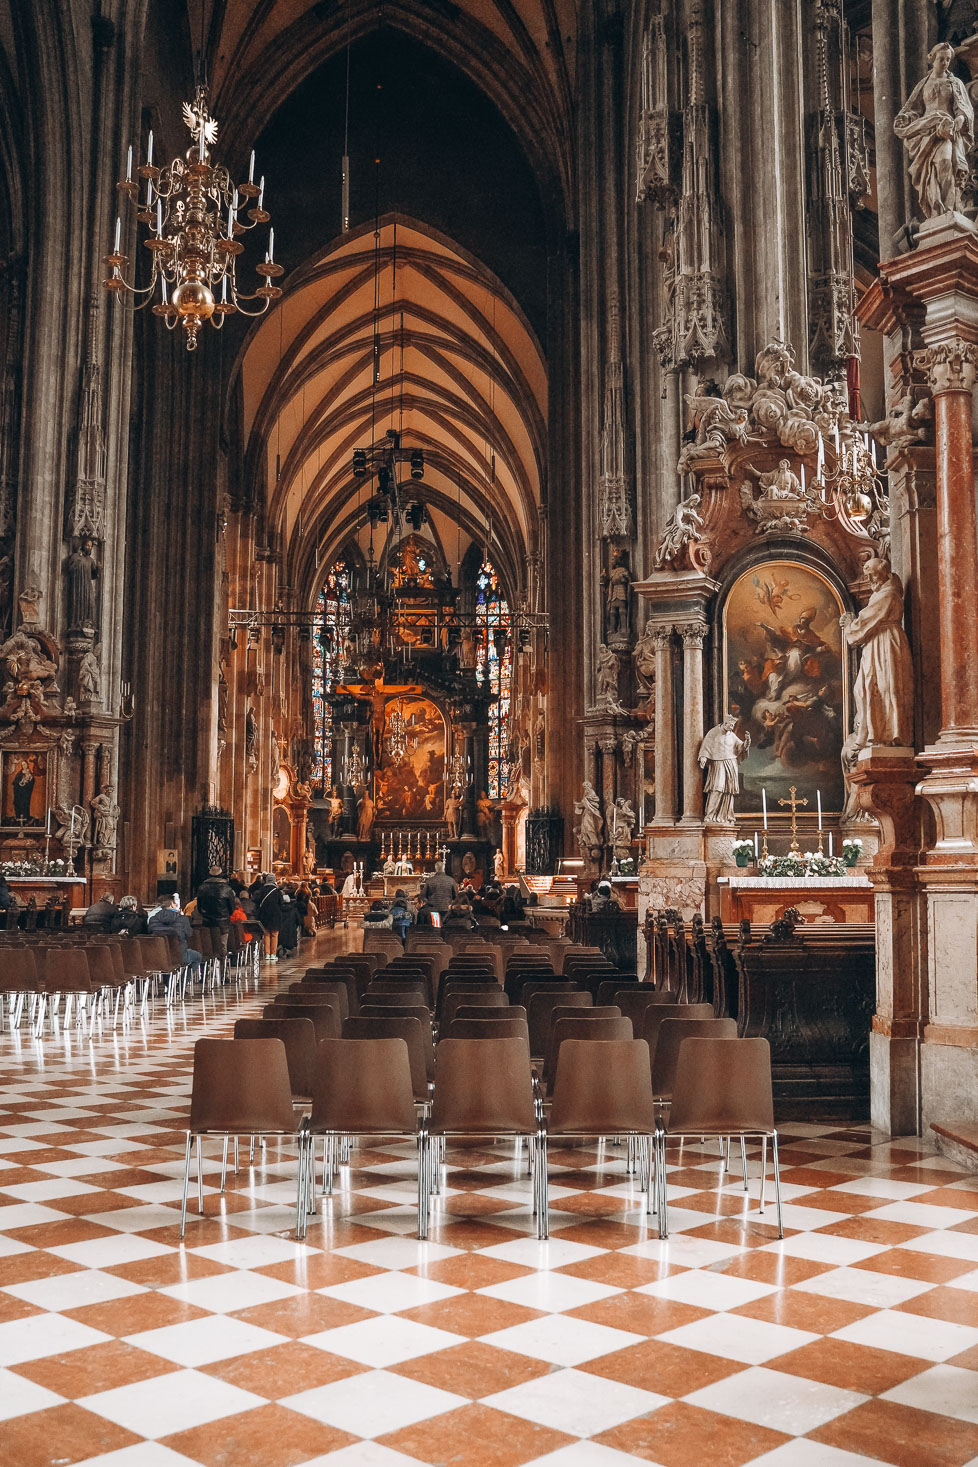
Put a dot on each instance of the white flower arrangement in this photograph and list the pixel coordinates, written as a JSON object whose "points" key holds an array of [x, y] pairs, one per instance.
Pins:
{"points": [[853, 841], [743, 845]]}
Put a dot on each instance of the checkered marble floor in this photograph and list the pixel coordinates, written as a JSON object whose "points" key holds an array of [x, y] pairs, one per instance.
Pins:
{"points": [[854, 1340]]}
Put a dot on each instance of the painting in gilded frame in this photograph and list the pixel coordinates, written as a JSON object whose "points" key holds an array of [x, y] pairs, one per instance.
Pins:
{"points": [[414, 787], [24, 783], [784, 678]]}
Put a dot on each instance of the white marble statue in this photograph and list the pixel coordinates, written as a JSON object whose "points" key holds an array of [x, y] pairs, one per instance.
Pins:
{"points": [[683, 526], [624, 821], [720, 753], [453, 815], [608, 672], [106, 813], [590, 829], [936, 126], [883, 692]]}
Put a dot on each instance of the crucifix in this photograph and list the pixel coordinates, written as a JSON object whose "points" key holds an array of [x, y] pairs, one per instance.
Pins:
{"points": [[794, 802]]}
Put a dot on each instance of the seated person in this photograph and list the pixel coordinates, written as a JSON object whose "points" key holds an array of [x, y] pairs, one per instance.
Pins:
{"points": [[603, 901], [168, 919], [511, 910], [7, 898], [401, 913], [459, 918], [378, 915], [240, 915], [127, 918], [99, 912]]}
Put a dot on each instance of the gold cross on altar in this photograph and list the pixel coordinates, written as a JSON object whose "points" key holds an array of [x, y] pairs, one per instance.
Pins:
{"points": [[794, 802]]}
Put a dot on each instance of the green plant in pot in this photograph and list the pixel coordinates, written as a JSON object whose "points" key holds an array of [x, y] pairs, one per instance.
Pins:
{"points": [[852, 849], [743, 852]]}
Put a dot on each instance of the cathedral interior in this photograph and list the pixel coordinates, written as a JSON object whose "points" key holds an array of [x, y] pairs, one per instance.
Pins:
{"points": [[529, 435]]}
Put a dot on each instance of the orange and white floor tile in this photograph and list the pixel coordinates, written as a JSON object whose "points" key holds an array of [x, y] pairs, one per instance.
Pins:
{"points": [[853, 1341]]}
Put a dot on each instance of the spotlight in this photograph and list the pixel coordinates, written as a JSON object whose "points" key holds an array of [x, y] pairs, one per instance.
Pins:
{"points": [[360, 463], [417, 464], [416, 515]]}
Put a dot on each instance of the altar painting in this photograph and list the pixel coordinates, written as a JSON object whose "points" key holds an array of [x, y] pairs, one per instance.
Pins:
{"points": [[24, 779], [784, 679], [414, 787]]}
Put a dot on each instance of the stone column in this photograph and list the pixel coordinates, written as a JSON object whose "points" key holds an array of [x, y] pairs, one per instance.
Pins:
{"points": [[693, 637], [665, 732], [609, 781], [942, 276], [885, 780]]}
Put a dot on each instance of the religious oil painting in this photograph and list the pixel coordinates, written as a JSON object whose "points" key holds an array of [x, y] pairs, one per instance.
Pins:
{"points": [[411, 774], [25, 789], [784, 679]]}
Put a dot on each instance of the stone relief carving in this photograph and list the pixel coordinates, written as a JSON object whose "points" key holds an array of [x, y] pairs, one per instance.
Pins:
{"points": [[614, 500], [86, 516], [608, 673], [907, 422], [783, 506], [655, 129], [720, 754], [623, 827], [936, 126], [82, 573], [29, 677], [89, 679], [852, 812], [883, 692], [590, 827], [106, 814], [617, 596], [251, 739], [951, 366], [680, 540]]}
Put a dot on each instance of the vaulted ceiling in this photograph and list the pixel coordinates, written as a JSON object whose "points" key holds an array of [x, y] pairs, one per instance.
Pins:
{"points": [[399, 328]]}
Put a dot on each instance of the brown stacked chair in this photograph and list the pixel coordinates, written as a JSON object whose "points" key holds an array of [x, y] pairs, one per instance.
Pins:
{"points": [[386, 980], [582, 1024], [539, 1008], [19, 977], [240, 1088], [363, 1088], [490, 1011], [503, 1025], [483, 1087], [657, 1014], [406, 1011], [465, 997], [299, 1038], [328, 988], [325, 1018], [382, 942], [722, 1088], [412, 1032], [65, 971], [637, 998], [608, 987], [602, 1088], [671, 1035], [396, 993]]}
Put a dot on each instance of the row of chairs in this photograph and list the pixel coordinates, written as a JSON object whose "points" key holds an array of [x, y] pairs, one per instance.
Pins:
{"points": [[484, 1088]]}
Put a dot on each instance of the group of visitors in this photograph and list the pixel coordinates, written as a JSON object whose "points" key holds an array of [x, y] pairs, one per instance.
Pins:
{"points": [[441, 902], [279, 912]]}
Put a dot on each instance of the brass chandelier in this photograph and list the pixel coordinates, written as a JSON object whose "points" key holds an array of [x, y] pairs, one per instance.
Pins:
{"points": [[191, 209]]}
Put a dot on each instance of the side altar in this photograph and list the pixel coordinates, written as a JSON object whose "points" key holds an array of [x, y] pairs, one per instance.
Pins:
{"points": [[818, 899]]}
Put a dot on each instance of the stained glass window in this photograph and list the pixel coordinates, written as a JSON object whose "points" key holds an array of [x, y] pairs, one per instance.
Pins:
{"points": [[494, 665], [333, 611]]}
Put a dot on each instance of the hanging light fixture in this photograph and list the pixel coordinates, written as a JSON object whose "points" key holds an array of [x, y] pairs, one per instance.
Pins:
{"points": [[191, 209], [397, 740]]}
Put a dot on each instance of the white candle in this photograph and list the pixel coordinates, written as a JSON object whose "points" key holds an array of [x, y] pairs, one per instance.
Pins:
{"points": [[820, 460], [818, 795], [159, 218], [803, 479], [149, 149], [224, 290], [118, 234], [48, 829], [764, 805], [271, 245], [261, 191], [755, 845], [129, 165], [251, 167], [201, 142], [830, 843]]}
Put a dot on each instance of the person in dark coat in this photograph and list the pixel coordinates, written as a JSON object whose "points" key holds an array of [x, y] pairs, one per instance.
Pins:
{"points": [[401, 914], [128, 918], [169, 920], [270, 907], [99, 912], [215, 903], [288, 931], [7, 898]]}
